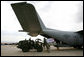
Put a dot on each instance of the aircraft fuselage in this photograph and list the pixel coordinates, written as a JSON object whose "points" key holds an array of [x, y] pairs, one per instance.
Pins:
{"points": [[71, 38]]}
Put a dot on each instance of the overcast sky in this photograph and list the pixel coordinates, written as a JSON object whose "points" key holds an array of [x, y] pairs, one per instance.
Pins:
{"points": [[59, 15]]}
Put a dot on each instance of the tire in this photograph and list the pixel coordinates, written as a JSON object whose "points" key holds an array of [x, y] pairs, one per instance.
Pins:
{"points": [[78, 47], [25, 50], [39, 49]]}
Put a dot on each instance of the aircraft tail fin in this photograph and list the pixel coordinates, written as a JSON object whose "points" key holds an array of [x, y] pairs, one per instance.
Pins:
{"points": [[28, 18]]}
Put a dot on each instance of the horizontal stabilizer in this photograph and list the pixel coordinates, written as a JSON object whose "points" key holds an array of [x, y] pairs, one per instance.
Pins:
{"points": [[28, 17]]}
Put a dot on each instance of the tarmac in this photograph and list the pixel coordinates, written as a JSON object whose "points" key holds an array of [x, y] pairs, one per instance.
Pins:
{"points": [[12, 50]]}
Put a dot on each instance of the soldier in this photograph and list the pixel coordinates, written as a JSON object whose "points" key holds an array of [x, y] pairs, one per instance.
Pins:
{"points": [[58, 42], [46, 45], [31, 43], [38, 45]]}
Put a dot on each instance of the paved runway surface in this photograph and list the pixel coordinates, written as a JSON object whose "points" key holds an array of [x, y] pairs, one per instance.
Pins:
{"points": [[12, 50]]}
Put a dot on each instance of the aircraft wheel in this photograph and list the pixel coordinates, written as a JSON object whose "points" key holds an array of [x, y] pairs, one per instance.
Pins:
{"points": [[79, 47]]}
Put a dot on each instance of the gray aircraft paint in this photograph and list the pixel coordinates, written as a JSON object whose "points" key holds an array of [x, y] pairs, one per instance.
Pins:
{"points": [[70, 38], [31, 22]]}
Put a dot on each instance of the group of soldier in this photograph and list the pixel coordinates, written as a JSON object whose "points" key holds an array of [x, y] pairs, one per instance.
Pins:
{"points": [[44, 45], [26, 45]]}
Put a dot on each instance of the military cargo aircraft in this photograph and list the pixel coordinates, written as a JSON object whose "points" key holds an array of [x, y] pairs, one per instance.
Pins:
{"points": [[32, 24]]}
